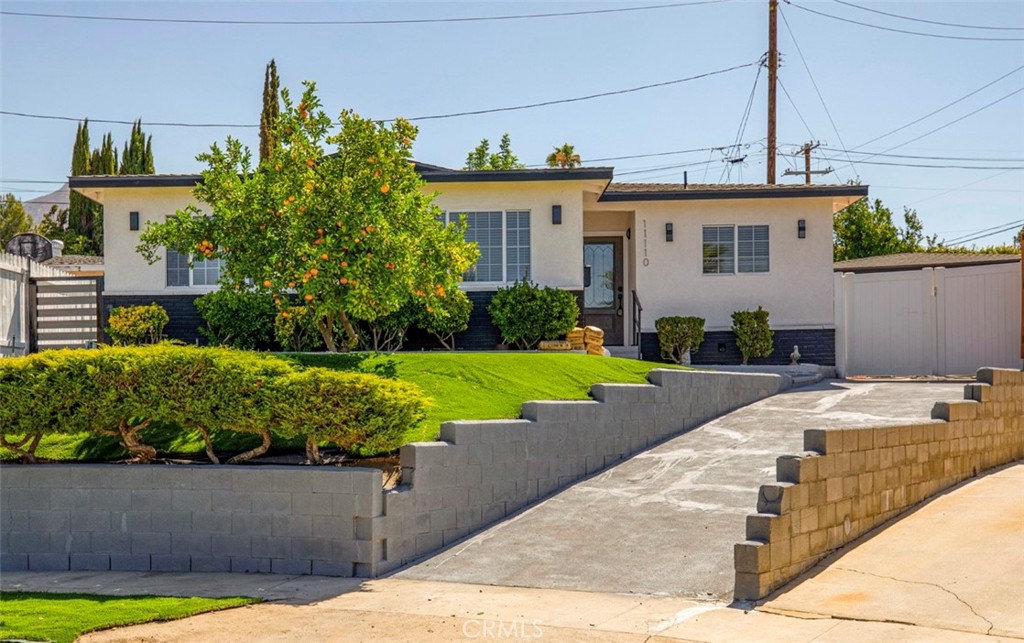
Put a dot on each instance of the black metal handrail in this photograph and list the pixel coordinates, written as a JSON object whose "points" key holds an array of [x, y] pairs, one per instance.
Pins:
{"points": [[638, 310]]}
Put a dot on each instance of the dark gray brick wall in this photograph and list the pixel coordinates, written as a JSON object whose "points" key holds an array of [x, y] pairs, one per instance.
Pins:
{"points": [[184, 318], [817, 346]]}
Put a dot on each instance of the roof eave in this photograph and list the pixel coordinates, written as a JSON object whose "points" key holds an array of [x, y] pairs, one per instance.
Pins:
{"points": [[763, 193]]}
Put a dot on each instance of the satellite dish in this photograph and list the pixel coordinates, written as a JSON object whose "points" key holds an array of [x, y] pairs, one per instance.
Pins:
{"points": [[31, 245]]}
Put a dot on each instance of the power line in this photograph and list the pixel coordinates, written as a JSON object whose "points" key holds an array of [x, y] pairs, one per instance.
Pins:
{"points": [[835, 129], [943, 108], [402, 21], [945, 190], [583, 98], [30, 181], [930, 158], [796, 109], [493, 110], [735, 147], [942, 127], [930, 22], [944, 167], [989, 234], [956, 189], [903, 31], [971, 234]]}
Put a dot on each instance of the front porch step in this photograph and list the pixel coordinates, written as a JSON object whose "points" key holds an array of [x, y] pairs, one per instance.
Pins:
{"points": [[629, 352]]}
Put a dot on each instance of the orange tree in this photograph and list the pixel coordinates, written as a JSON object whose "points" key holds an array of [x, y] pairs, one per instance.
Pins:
{"points": [[349, 231]]}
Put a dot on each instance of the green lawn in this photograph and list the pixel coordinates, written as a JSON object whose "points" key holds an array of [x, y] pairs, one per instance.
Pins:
{"points": [[461, 386], [63, 617], [481, 386]]}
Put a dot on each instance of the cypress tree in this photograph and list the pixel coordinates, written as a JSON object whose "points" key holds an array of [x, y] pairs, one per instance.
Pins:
{"points": [[271, 110], [137, 157], [80, 210]]}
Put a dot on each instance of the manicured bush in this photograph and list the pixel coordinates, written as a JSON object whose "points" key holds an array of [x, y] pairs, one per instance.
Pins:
{"points": [[526, 313], [137, 324], [448, 316], [123, 391], [237, 318], [360, 413], [37, 398], [753, 334], [295, 330], [679, 336]]}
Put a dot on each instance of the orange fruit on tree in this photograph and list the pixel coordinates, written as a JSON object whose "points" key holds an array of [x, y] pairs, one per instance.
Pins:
{"points": [[291, 284], [309, 162], [314, 272], [286, 314], [324, 256], [320, 231], [309, 185], [344, 264], [268, 283], [343, 281], [384, 189], [309, 297]]}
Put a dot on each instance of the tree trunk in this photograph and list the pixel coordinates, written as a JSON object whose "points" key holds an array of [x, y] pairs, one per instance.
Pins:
{"points": [[326, 328], [254, 452], [353, 337], [140, 452], [313, 452], [27, 455], [209, 445]]}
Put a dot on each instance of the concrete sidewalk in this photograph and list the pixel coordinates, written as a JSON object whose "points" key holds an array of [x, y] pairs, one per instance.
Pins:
{"points": [[953, 570]]}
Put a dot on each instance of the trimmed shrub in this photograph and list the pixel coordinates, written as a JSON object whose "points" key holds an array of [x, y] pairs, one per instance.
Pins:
{"points": [[679, 336], [295, 330], [753, 334], [123, 391], [448, 316], [137, 324], [43, 394], [361, 413], [526, 313], [237, 318]]}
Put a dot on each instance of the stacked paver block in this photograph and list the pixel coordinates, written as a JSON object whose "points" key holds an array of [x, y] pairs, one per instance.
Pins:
{"points": [[852, 480], [339, 521]]}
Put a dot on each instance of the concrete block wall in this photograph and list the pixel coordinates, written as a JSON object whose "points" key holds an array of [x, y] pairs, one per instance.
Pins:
{"points": [[486, 470], [339, 521], [98, 517], [851, 480]]}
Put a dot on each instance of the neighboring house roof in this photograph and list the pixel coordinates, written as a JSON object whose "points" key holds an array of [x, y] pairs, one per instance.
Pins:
{"points": [[684, 191], [74, 260], [920, 260], [40, 205]]}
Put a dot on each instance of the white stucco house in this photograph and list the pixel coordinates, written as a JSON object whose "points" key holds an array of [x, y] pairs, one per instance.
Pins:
{"points": [[675, 249]]}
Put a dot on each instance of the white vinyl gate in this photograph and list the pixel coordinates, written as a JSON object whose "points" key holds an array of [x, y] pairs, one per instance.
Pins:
{"points": [[934, 321]]}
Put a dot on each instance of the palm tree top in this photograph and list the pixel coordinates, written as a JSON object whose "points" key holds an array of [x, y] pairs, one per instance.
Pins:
{"points": [[564, 156]]}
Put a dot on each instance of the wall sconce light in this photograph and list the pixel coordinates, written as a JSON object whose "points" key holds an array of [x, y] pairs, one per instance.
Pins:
{"points": [[556, 215], [133, 220], [801, 229], [668, 232]]}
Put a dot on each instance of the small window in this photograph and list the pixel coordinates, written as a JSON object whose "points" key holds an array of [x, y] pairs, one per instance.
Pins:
{"points": [[718, 249], [204, 272], [177, 268]]}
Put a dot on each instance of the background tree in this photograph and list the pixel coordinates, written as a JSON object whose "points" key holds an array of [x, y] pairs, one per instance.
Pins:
{"points": [[82, 213], [481, 158], [271, 110], [103, 160], [866, 229], [352, 234], [55, 226], [564, 156], [137, 157], [13, 219]]}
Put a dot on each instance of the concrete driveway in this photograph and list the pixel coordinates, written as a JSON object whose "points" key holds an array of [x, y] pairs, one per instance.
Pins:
{"points": [[664, 522]]}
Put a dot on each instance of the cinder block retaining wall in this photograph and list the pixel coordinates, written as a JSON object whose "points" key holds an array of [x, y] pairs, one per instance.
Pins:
{"points": [[852, 480], [338, 521]]}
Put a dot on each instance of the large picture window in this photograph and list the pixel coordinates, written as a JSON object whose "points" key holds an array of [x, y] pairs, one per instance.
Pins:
{"points": [[503, 238], [730, 249]]}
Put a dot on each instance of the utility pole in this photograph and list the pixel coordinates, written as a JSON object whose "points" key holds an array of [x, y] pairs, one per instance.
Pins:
{"points": [[773, 72], [805, 149]]}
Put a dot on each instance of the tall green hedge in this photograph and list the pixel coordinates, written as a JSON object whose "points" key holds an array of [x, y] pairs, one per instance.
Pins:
{"points": [[122, 391]]}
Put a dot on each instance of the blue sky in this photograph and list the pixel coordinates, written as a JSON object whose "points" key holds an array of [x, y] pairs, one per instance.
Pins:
{"points": [[872, 81]]}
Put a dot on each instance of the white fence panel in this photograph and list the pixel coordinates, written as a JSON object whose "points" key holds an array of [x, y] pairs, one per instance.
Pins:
{"points": [[886, 316], [15, 272], [980, 317], [935, 321]]}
